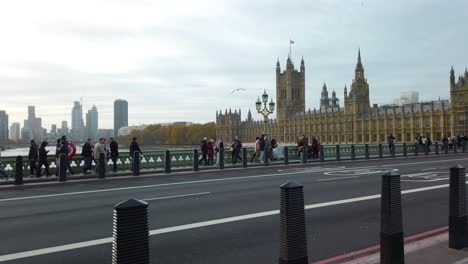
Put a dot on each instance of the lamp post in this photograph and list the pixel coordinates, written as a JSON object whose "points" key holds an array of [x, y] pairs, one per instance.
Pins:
{"points": [[266, 111]]}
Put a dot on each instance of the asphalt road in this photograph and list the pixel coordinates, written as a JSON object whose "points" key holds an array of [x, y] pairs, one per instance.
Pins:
{"points": [[35, 221]]}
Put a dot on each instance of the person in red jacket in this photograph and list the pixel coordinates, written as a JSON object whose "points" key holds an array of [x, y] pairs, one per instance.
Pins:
{"points": [[210, 153]]}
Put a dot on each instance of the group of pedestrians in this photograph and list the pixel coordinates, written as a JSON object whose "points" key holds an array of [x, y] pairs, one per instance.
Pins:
{"points": [[92, 152], [38, 156], [312, 149], [424, 143], [458, 142], [208, 149], [263, 149]]}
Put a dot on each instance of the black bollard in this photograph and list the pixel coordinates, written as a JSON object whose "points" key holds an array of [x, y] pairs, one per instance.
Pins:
{"points": [[195, 160], [221, 159], [391, 223], [304, 155], [463, 146], [416, 149], [322, 154], [353, 152], [458, 232], [286, 156], [63, 168], [167, 162], [338, 157], [366, 150], [446, 148], [19, 170], [130, 236], [437, 148], [136, 163], [102, 166], [380, 151], [293, 236], [244, 158], [405, 150], [426, 149]]}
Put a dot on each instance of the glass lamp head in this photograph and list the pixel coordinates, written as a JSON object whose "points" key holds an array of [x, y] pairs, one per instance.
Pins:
{"points": [[272, 105], [265, 96], [258, 104]]}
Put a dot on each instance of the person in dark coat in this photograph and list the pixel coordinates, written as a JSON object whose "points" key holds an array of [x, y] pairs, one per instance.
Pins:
{"points": [[204, 150], [87, 153], [32, 157], [236, 147], [63, 149], [114, 152], [43, 160], [134, 147]]}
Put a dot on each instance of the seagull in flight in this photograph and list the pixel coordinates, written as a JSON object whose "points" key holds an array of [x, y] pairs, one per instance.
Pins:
{"points": [[238, 89]]}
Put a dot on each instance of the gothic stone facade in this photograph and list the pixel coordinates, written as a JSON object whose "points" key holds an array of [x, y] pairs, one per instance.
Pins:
{"points": [[356, 121]]}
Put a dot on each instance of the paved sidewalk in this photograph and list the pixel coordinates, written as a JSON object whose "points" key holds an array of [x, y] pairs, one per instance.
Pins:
{"points": [[432, 250]]}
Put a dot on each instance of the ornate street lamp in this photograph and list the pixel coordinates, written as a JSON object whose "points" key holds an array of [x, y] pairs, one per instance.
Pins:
{"points": [[266, 111]]}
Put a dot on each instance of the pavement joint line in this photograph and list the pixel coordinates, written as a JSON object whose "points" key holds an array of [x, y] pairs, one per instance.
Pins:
{"points": [[208, 180], [176, 196], [55, 249], [339, 178]]}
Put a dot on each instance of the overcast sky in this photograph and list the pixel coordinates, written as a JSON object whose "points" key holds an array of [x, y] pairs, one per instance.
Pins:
{"points": [[180, 59]]}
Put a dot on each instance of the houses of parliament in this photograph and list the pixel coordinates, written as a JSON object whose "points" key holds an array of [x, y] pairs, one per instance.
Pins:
{"points": [[356, 121]]}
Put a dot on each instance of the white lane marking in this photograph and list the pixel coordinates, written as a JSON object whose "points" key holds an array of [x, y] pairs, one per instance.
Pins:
{"points": [[176, 196], [96, 242], [428, 169], [203, 181], [340, 178]]}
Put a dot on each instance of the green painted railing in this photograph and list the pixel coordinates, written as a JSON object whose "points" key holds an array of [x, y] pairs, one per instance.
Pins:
{"points": [[183, 158]]}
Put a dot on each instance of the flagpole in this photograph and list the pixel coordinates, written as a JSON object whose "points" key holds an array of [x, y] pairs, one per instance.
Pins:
{"points": [[289, 48]]}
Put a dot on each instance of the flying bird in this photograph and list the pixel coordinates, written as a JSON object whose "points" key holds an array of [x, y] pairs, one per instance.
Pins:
{"points": [[238, 89]]}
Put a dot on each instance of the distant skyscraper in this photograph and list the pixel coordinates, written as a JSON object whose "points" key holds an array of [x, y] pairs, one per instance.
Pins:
{"points": [[32, 128], [120, 115], [3, 127], [15, 131], [77, 127], [53, 129], [92, 124], [63, 131]]}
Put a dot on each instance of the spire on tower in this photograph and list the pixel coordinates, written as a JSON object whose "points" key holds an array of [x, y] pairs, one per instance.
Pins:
{"points": [[277, 63], [359, 55], [302, 65]]}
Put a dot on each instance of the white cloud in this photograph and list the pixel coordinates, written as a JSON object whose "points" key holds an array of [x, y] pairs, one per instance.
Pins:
{"points": [[179, 60]]}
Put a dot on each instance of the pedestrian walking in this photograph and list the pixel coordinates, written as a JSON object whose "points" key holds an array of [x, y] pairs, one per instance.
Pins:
{"points": [[236, 147], [210, 151], [134, 147], [219, 145], [114, 153], [256, 153], [315, 147], [261, 144], [43, 160], [87, 153], [64, 149], [57, 156], [32, 156], [99, 149], [391, 143], [204, 151]]}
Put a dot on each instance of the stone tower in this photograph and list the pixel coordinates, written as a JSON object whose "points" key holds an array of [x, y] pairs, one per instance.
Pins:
{"points": [[290, 90], [357, 101], [458, 103]]}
